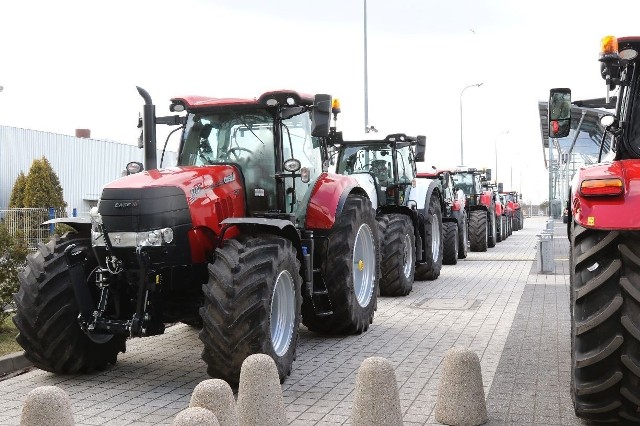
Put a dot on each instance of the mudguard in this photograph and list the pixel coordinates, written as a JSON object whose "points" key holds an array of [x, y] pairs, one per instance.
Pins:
{"points": [[608, 212], [367, 182], [421, 193], [328, 196], [80, 224]]}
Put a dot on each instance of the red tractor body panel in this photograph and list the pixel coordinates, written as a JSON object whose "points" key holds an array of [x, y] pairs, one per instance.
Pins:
{"points": [[325, 197], [608, 212], [214, 193]]}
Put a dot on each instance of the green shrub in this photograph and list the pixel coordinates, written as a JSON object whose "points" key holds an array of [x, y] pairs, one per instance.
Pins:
{"points": [[13, 253]]}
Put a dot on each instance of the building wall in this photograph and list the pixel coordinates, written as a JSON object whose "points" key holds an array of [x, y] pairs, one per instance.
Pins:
{"points": [[83, 166]]}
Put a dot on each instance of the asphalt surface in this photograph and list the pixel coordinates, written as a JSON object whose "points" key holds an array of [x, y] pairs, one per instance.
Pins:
{"points": [[494, 303]]}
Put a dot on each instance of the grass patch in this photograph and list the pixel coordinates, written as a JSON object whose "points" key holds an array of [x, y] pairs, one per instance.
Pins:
{"points": [[8, 334]]}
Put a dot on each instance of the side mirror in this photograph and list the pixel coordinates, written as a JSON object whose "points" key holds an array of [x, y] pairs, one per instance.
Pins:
{"points": [[421, 146], [487, 173], [500, 187], [445, 179], [321, 116], [559, 116]]}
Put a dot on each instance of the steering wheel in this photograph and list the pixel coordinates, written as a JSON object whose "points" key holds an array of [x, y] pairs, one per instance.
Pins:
{"points": [[237, 148]]}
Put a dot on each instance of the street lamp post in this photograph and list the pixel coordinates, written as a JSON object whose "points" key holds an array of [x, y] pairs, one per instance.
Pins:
{"points": [[495, 149], [461, 146]]}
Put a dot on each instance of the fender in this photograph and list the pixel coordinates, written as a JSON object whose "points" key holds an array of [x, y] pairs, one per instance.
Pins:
{"points": [[327, 199], [485, 199], [420, 193], [80, 224], [367, 182], [608, 212]]}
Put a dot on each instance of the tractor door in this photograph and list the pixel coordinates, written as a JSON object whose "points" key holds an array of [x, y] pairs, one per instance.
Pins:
{"points": [[298, 144]]}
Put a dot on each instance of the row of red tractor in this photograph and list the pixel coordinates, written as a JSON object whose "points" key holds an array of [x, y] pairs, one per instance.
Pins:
{"points": [[249, 236]]}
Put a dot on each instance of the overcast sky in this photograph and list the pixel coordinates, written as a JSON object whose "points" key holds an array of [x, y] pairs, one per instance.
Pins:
{"points": [[75, 64]]}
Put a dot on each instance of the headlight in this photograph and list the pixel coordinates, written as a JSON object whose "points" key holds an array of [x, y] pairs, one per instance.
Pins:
{"points": [[154, 238]]}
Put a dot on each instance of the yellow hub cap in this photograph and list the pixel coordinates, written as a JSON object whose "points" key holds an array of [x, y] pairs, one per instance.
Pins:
{"points": [[360, 265]]}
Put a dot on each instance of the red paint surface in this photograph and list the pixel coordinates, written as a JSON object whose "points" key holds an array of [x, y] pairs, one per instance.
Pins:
{"points": [[321, 212], [210, 199], [609, 212]]}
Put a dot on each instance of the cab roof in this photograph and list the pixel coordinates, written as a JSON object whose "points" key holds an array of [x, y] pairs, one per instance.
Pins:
{"points": [[267, 99]]}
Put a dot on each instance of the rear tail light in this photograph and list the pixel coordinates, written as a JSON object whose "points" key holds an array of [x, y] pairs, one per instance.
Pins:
{"points": [[598, 187]]}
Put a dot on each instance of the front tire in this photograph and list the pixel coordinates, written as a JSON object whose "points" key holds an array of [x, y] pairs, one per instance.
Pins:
{"points": [[605, 324], [350, 271], [398, 264], [252, 305], [478, 231], [430, 270], [450, 252], [47, 313]]}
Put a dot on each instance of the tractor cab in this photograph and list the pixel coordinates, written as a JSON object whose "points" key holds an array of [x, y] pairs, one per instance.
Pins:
{"points": [[270, 141], [391, 162]]}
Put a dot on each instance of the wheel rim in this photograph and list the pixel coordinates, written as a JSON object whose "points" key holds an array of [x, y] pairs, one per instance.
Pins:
{"points": [[407, 256], [364, 265], [283, 313], [435, 238]]}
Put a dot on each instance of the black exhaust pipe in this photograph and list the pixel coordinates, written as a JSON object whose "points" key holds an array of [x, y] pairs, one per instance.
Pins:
{"points": [[148, 130]]}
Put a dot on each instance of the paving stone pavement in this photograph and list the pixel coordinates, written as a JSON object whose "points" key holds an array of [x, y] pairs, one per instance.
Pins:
{"points": [[493, 303]]}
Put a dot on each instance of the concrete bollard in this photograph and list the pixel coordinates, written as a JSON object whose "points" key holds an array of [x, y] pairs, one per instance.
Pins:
{"points": [[260, 401], [47, 405], [377, 400], [216, 396], [461, 399], [195, 416]]}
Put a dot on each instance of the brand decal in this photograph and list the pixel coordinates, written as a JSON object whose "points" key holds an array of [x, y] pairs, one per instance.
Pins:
{"points": [[125, 204], [199, 189]]}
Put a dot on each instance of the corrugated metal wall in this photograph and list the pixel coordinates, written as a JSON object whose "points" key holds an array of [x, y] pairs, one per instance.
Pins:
{"points": [[83, 166]]}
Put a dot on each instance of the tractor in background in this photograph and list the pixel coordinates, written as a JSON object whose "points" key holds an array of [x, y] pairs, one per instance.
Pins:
{"points": [[408, 210], [603, 227], [248, 237], [513, 203], [454, 216], [480, 206]]}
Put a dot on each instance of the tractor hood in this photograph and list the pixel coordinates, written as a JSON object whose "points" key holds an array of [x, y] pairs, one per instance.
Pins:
{"points": [[212, 193]]}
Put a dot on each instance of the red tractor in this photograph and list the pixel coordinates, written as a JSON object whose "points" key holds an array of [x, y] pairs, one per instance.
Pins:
{"points": [[480, 206], [500, 213], [513, 201], [248, 236], [603, 227]]}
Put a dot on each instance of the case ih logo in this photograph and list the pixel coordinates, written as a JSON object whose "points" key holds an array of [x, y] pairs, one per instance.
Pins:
{"points": [[125, 205], [198, 189]]}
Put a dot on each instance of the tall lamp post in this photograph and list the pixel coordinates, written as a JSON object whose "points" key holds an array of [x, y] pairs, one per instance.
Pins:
{"points": [[366, 75], [461, 146], [495, 149]]}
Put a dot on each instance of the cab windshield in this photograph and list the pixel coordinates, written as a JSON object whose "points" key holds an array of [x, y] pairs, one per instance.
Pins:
{"points": [[464, 181], [228, 137]]}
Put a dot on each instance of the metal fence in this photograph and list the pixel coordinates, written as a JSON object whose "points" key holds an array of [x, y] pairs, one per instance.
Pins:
{"points": [[27, 224]]}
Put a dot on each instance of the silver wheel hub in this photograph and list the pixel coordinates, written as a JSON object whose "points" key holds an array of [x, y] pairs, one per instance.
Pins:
{"points": [[364, 265], [283, 313], [407, 256], [435, 238]]}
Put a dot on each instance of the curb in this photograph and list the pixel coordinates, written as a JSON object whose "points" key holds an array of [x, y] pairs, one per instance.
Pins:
{"points": [[13, 362]]}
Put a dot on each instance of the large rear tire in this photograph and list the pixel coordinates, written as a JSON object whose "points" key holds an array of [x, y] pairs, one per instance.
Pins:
{"points": [[463, 237], [500, 229], [252, 305], [450, 252], [397, 249], [478, 231], [430, 270], [350, 272], [47, 313], [605, 324]]}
